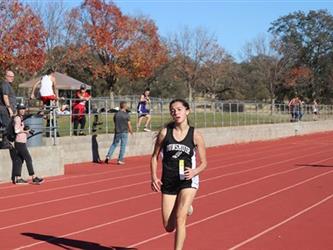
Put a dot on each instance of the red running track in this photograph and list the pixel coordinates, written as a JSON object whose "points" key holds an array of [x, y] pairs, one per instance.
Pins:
{"points": [[264, 195]]}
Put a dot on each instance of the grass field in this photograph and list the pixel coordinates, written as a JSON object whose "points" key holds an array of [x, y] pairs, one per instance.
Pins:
{"points": [[199, 120], [203, 115]]}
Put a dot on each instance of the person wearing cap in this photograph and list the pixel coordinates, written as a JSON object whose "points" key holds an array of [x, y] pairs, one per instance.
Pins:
{"points": [[22, 154], [7, 104], [79, 109]]}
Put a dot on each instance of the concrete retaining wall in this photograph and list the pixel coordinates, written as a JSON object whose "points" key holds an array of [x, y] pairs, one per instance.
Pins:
{"points": [[242, 134], [49, 160]]}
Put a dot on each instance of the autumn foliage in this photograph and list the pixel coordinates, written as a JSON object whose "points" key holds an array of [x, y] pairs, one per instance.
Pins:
{"points": [[124, 46], [22, 38], [298, 73], [118, 53]]}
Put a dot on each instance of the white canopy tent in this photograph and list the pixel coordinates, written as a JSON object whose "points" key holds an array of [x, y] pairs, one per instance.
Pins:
{"points": [[64, 82]]}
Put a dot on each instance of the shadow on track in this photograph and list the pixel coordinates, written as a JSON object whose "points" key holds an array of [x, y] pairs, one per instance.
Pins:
{"points": [[68, 243], [315, 165]]}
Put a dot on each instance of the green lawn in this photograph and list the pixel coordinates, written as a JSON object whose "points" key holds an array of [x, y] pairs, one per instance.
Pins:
{"points": [[199, 120]]}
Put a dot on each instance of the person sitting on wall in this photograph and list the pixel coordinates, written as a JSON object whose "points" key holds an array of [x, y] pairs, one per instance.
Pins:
{"points": [[48, 90], [48, 95]]}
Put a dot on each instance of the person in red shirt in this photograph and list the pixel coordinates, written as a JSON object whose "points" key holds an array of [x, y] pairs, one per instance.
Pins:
{"points": [[79, 109]]}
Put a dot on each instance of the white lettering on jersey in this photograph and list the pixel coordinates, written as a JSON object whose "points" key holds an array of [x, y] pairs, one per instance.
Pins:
{"points": [[178, 147]]}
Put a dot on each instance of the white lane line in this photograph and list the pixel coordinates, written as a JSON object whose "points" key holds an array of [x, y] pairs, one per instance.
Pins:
{"points": [[143, 182], [140, 166], [234, 208], [94, 227], [76, 211], [194, 223], [281, 223], [260, 151], [145, 173]]}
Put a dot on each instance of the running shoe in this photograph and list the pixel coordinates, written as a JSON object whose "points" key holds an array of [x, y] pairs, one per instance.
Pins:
{"points": [[37, 181], [120, 163], [20, 181], [146, 130], [106, 161]]}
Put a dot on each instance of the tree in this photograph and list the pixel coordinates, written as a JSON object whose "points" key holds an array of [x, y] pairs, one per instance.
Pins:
{"points": [[251, 83], [52, 14], [120, 45], [22, 38], [218, 76], [191, 49], [269, 66], [166, 83], [310, 37]]}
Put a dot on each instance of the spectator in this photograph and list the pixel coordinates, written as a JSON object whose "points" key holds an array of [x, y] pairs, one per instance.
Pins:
{"points": [[64, 110], [48, 90], [301, 109], [79, 109], [315, 110], [142, 110], [7, 104], [48, 93], [22, 153], [122, 127], [294, 108]]}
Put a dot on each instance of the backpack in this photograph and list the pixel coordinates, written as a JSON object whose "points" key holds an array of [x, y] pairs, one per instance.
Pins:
{"points": [[11, 135]]}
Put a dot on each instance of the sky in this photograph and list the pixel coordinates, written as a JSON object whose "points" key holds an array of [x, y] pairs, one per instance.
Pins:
{"points": [[233, 22]]}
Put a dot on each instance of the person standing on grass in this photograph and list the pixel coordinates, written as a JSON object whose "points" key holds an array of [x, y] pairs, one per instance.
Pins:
{"points": [[22, 153], [178, 142], [143, 111], [315, 110], [294, 108], [79, 109], [122, 125]]}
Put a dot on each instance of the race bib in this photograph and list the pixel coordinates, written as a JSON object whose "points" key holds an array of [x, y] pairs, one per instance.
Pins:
{"points": [[181, 165]]}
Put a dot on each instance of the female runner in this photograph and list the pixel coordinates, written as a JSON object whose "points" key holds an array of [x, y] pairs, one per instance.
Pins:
{"points": [[178, 142]]}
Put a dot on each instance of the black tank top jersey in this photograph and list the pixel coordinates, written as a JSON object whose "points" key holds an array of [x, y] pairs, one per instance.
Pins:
{"points": [[174, 150]]}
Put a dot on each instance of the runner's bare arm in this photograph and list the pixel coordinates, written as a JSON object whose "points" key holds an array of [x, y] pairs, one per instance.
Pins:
{"points": [[32, 96], [155, 181], [200, 142], [54, 86]]}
